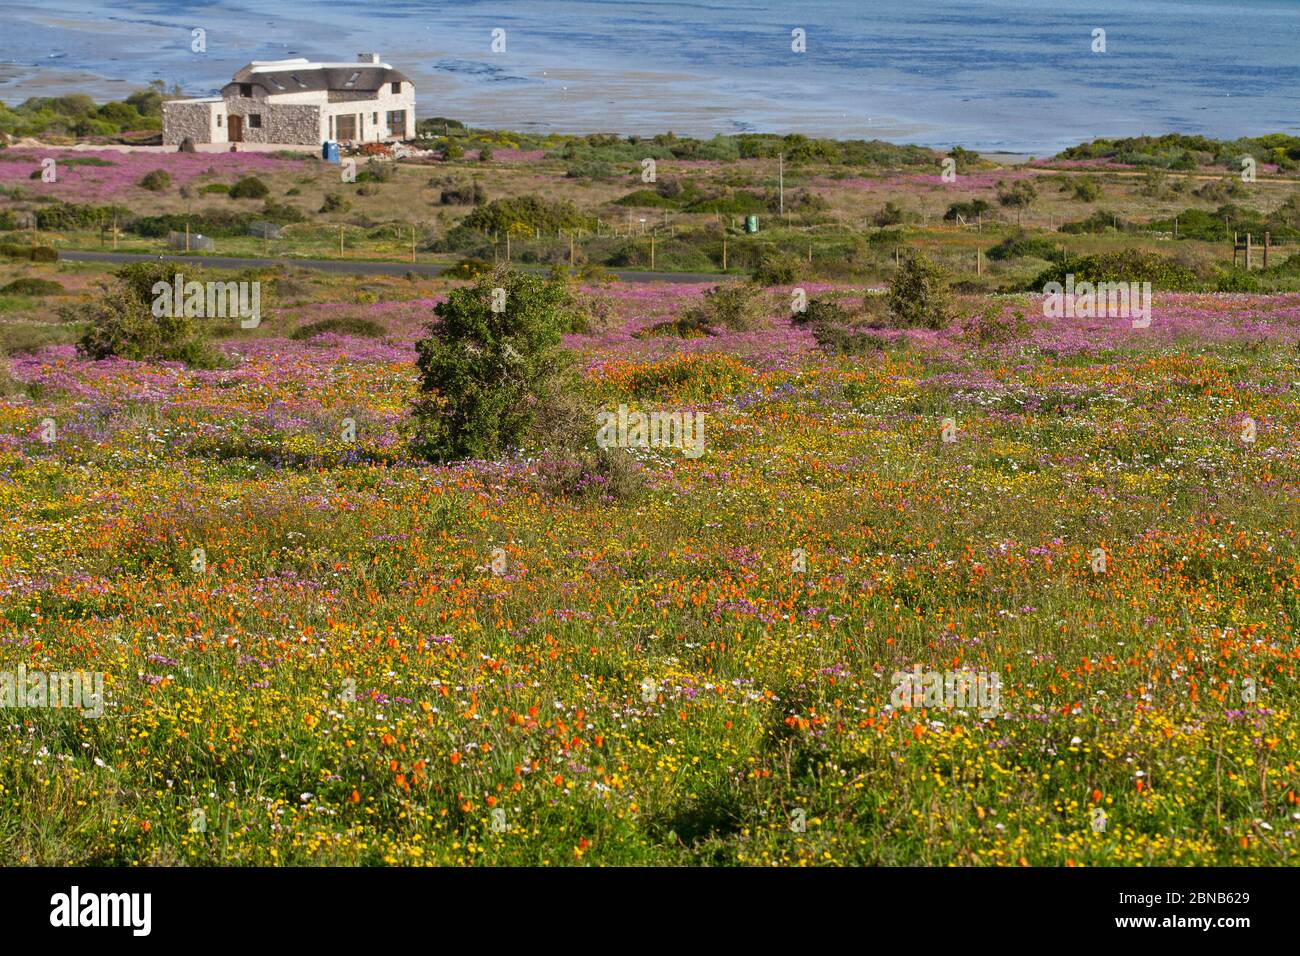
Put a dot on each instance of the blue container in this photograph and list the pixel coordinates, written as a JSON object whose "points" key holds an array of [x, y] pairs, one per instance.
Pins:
{"points": [[329, 151], [751, 224]]}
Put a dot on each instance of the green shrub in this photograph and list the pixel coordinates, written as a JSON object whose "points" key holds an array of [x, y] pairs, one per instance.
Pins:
{"points": [[891, 214], [918, 296], [121, 323], [526, 215], [467, 269], [377, 172], [1236, 280], [220, 188], [63, 217], [593, 273], [970, 211], [1021, 245], [282, 213], [1099, 222], [466, 194], [736, 307], [1128, 265], [341, 325], [778, 268], [847, 340], [30, 253], [1087, 190], [822, 312], [30, 285], [156, 180], [250, 187], [335, 203], [484, 373]]}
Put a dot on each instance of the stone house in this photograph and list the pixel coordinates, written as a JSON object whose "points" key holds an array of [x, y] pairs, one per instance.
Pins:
{"points": [[299, 102]]}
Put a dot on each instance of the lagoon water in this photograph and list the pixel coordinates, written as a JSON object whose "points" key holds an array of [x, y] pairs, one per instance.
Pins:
{"points": [[1013, 75]]}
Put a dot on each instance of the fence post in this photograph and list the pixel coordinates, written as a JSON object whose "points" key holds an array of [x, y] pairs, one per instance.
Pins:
{"points": [[340, 240]]}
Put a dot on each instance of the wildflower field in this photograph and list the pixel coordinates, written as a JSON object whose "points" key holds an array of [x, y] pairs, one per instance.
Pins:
{"points": [[321, 651]]}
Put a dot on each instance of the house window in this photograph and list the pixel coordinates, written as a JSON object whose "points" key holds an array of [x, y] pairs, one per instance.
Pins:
{"points": [[218, 120], [254, 120], [345, 127], [397, 122], [245, 89], [397, 89]]}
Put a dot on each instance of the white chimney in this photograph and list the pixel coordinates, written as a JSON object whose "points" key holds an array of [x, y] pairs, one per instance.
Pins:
{"points": [[367, 57]]}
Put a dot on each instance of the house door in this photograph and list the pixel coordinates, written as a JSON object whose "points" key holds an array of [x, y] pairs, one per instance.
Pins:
{"points": [[235, 127]]}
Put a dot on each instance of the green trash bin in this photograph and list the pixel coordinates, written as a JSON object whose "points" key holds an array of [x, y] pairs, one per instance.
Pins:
{"points": [[751, 224]]}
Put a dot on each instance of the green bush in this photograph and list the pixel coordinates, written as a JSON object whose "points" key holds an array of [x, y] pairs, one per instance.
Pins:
{"points": [[219, 188], [970, 211], [527, 214], [778, 268], [736, 307], [918, 296], [491, 360], [65, 217], [1236, 280], [467, 269], [646, 199], [466, 194], [822, 312], [1128, 265], [1087, 190], [335, 203], [1022, 245], [30, 285], [121, 323], [846, 339], [1099, 222], [30, 253], [250, 187], [156, 180], [341, 325], [891, 214]]}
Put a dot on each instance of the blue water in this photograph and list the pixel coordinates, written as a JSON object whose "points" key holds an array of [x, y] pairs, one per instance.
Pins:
{"points": [[1016, 75]]}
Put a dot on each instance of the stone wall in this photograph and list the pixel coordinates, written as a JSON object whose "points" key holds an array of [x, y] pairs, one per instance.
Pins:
{"points": [[281, 122], [181, 119]]}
